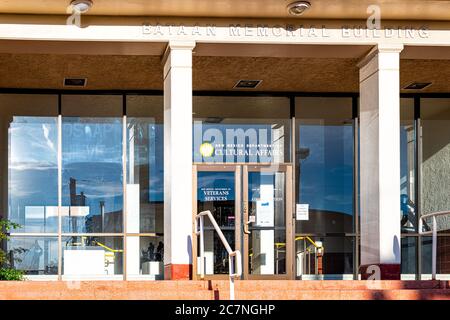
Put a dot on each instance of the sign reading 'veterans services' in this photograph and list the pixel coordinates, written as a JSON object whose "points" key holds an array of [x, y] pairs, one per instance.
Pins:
{"points": [[215, 186], [215, 194]]}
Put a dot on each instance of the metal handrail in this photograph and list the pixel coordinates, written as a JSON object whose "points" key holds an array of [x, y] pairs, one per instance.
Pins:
{"points": [[433, 231], [311, 241], [234, 266], [318, 249], [108, 248]]}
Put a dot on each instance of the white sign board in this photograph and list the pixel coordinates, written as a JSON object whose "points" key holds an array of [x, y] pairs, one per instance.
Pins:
{"points": [[84, 262], [264, 213], [302, 212]]}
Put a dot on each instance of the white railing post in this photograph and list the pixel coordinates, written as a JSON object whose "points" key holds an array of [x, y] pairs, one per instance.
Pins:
{"points": [[434, 250], [202, 249], [235, 270], [234, 257], [231, 271], [433, 232]]}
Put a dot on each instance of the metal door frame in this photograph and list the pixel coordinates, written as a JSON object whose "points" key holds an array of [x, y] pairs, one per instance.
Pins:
{"points": [[241, 171], [237, 204], [287, 169]]}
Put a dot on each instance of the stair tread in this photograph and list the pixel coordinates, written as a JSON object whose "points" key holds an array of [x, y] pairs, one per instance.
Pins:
{"points": [[219, 289]]}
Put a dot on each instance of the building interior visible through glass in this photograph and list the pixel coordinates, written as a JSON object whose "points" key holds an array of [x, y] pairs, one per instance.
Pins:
{"points": [[325, 182], [216, 193], [267, 243], [407, 166], [105, 215], [92, 185]]}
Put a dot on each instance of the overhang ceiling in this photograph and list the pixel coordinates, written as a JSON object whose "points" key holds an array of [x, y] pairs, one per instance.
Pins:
{"points": [[102, 71], [140, 72], [323, 9], [277, 74]]}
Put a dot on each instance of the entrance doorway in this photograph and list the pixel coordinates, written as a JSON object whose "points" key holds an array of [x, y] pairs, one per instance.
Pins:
{"points": [[252, 205]]}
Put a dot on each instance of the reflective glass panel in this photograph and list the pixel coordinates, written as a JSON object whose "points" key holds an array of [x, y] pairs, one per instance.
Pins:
{"points": [[409, 256], [145, 164], [31, 122], [216, 192], [92, 173], [320, 256], [267, 206], [145, 257], [407, 166], [324, 156], [34, 255], [241, 129]]}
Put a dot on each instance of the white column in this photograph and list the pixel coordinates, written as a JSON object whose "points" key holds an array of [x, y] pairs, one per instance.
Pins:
{"points": [[380, 163], [178, 160]]}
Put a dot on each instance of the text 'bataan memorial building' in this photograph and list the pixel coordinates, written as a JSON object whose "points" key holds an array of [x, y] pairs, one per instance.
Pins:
{"points": [[315, 134]]}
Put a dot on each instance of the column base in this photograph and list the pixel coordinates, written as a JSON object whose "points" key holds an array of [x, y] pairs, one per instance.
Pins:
{"points": [[387, 272], [178, 271]]}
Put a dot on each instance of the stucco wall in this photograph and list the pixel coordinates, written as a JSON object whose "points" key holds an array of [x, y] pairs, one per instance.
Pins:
{"points": [[436, 158]]}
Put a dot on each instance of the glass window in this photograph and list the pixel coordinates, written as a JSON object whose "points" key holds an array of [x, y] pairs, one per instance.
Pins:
{"points": [[435, 135], [324, 160], [407, 166], [34, 255], [216, 192], [92, 256], [443, 256], [241, 129], [92, 175], [145, 164], [317, 257], [145, 257], [92, 186], [267, 240], [409, 257], [267, 251], [32, 143]]}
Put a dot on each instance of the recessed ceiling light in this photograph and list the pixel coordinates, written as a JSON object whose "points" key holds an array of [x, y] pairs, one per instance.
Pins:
{"points": [[247, 84], [75, 82], [81, 6], [417, 85], [298, 8]]}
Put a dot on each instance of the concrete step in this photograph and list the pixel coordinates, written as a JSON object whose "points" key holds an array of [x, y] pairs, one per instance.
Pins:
{"points": [[333, 290], [219, 289], [424, 294], [274, 285], [110, 290]]}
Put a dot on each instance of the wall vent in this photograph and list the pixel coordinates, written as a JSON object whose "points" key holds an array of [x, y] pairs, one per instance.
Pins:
{"points": [[75, 82], [417, 85], [247, 84]]}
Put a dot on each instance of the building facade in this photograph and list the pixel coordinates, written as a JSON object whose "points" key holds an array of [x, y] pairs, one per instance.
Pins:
{"points": [[316, 141]]}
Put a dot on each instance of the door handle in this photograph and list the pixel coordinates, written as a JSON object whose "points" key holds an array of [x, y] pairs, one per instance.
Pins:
{"points": [[246, 221], [246, 231]]}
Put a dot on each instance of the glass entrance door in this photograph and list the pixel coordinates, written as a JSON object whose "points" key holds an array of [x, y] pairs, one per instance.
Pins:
{"points": [[263, 232], [267, 220], [217, 189]]}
